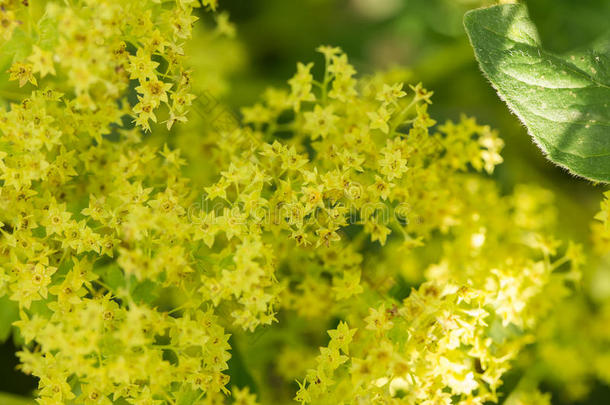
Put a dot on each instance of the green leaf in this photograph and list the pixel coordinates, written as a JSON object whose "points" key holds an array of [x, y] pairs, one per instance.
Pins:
{"points": [[146, 291], [563, 100], [187, 395], [48, 34], [112, 276], [17, 48], [9, 313]]}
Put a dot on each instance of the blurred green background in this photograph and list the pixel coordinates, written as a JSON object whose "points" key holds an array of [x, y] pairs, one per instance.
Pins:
{"points": [[425, 36]]}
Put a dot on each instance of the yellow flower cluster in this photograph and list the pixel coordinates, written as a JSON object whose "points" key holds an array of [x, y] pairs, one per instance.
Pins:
{"points": [[573, 346], [88, 211], [139, 272], [100, 53]]}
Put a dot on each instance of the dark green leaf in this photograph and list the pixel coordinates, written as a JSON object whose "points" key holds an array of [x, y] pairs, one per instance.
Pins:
{"points": [[563, 100]]}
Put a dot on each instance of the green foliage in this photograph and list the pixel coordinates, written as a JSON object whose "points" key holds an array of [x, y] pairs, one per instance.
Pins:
{"points": [[563, 100]]}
